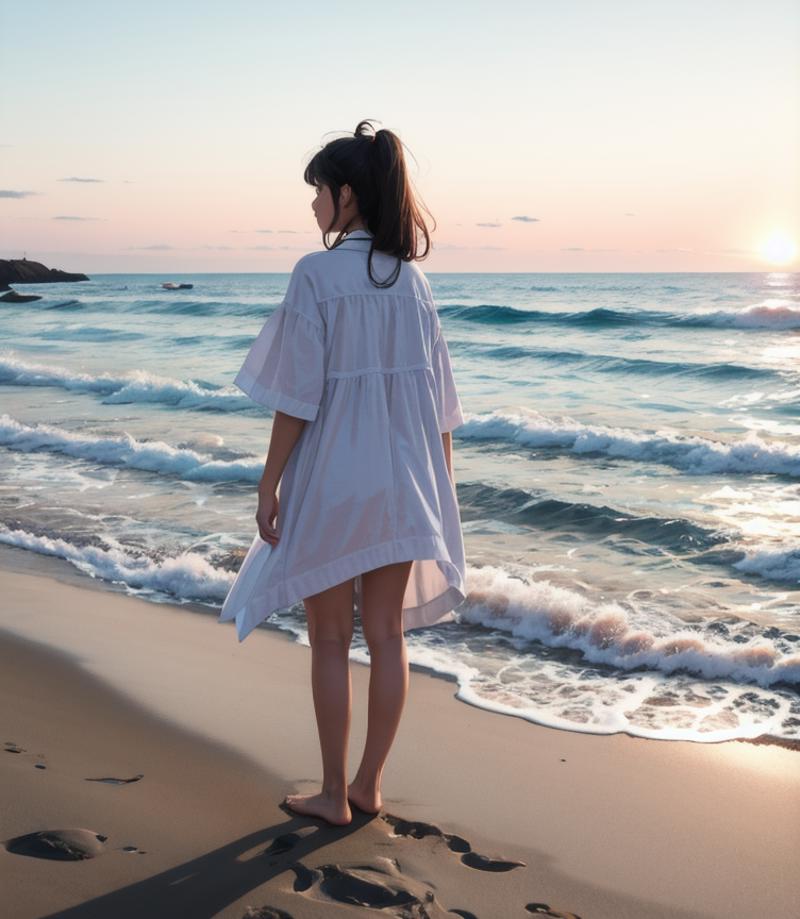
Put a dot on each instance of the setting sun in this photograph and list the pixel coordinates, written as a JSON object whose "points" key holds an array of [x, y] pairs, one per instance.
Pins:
{"points": [[778, 249]]}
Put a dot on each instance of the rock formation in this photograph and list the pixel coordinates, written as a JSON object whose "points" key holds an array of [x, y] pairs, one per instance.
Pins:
{"points": [[21, 271]]}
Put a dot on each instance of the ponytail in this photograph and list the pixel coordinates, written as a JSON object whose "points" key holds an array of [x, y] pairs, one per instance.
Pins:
{"points": [[374, 166]]}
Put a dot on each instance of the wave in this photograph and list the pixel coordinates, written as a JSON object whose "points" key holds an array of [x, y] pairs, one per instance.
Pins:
{"points": [[604, 634], [67, 305], [89, 333], [759, 316], [478, 501], [774, 564], [522, 508], [126, 451], [169, 306], [557, 617], [604, 363], [689, 453], [133, 386], [196, 307], [188, 576]]}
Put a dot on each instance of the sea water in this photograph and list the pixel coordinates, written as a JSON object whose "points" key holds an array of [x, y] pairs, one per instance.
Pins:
{"points": [[628, 475]]}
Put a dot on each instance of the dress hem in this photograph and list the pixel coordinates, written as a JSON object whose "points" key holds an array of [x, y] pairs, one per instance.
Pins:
{"points": [[259, 606]]}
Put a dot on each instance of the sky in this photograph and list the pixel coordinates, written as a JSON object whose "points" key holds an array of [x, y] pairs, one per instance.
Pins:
{"points": [[583, 135]]}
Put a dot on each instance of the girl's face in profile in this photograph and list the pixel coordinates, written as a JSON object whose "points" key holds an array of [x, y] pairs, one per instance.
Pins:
{"points": [[322, 205]]}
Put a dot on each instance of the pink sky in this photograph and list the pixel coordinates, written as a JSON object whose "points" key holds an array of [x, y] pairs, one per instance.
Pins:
{"points": [[568, 137]]}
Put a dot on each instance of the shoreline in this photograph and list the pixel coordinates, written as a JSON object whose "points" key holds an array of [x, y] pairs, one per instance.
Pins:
{"points": [[19, 559], [607, 825]]}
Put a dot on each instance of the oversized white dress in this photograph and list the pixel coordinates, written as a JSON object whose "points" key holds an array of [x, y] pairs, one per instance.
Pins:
{"points": [[366, 484]]}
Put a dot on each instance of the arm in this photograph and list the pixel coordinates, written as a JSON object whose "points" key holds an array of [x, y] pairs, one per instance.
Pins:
{"points": [[447, 443], [286, 430]]}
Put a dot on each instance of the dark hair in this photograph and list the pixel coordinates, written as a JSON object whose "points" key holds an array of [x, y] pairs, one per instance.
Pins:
{"points": [[373, 165]]}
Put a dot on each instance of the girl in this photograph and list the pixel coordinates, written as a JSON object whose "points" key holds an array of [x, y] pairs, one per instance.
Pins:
{"points": [[355, 366]]}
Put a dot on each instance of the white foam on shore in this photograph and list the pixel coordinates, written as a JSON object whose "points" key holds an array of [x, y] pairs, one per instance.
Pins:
{"points": [[536, 610], [691, 454], [543, 691], [603, 633], [188, 576]]}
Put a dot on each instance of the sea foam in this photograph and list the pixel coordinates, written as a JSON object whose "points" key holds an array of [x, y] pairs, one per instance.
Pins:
{"points": [[133, 386], [691, 454], [125, 450]]}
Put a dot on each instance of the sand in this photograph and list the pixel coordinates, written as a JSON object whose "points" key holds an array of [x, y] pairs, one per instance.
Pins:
{"points": [[199, 738]]}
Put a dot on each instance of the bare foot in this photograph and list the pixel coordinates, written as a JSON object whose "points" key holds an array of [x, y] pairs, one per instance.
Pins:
{"points": [[367, 800], [321, 805]]}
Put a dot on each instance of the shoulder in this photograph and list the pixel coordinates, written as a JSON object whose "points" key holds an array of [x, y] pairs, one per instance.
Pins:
{"points": [[312, 271], [420, 281], [303, 292]]}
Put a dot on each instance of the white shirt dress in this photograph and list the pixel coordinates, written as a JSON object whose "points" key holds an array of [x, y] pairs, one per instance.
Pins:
{"points": [[366, 484]]}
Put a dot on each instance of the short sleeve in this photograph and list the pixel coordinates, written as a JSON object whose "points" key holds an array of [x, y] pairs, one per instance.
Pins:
{"points": [[448, 405], [285, 367]]}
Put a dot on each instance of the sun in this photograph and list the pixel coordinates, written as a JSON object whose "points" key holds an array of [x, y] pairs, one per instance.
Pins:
{"points": [[778, 249]]}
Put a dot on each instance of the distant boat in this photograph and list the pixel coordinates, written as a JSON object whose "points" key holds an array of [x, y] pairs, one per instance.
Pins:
{"points": [[171, 285]]}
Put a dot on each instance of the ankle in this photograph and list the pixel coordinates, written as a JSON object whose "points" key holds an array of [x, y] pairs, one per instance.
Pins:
{"points": [[336, 791], [368, 784]]}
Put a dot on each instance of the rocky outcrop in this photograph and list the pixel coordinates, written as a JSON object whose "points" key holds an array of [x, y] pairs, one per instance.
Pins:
{"points": [[21, 271]]}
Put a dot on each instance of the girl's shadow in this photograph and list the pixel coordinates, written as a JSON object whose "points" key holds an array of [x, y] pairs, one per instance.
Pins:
{"points": [[206, 885]]}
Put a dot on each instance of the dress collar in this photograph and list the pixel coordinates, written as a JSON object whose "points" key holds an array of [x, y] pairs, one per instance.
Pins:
{"points": [[355, 236]]}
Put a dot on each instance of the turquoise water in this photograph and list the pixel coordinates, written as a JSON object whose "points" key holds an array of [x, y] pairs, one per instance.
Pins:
{"points": [[628, 476]]}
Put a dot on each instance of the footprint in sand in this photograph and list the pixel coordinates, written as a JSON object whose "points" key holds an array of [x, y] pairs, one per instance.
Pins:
{"points": [[380, 885], [112, 781], [65, 845], [418, 830], [549, 912], [265, 912], [11, 747], [282, 844]]}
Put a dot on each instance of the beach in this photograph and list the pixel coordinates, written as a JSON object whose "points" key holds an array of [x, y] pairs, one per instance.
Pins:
{"points": [[490, 815]]}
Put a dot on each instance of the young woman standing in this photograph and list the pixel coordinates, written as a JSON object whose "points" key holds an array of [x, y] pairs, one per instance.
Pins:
{"points": [[356, 368]]}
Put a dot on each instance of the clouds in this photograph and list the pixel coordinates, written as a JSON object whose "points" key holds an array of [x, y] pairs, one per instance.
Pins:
{"points": [[8, 193], [78, 179], [71, 217], [583, 249], [165, 247], [271, 231], [156, 247], [520, 218]]}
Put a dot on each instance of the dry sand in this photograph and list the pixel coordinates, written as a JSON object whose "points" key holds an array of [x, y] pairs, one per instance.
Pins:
{"points": [[213, 734]]}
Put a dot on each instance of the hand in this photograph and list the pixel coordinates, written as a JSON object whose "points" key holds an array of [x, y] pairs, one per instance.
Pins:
{"points": [[266, 516]]}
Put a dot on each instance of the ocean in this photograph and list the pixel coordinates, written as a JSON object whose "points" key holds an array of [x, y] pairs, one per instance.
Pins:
{"points": [[628, 475]]}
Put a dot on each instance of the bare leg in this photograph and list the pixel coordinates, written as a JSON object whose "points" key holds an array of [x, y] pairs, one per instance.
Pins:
{"points": [[330, 629], [382, 620]]}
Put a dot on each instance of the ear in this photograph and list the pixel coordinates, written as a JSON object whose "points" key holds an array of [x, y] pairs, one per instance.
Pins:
{"points": [[345, 193]]}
